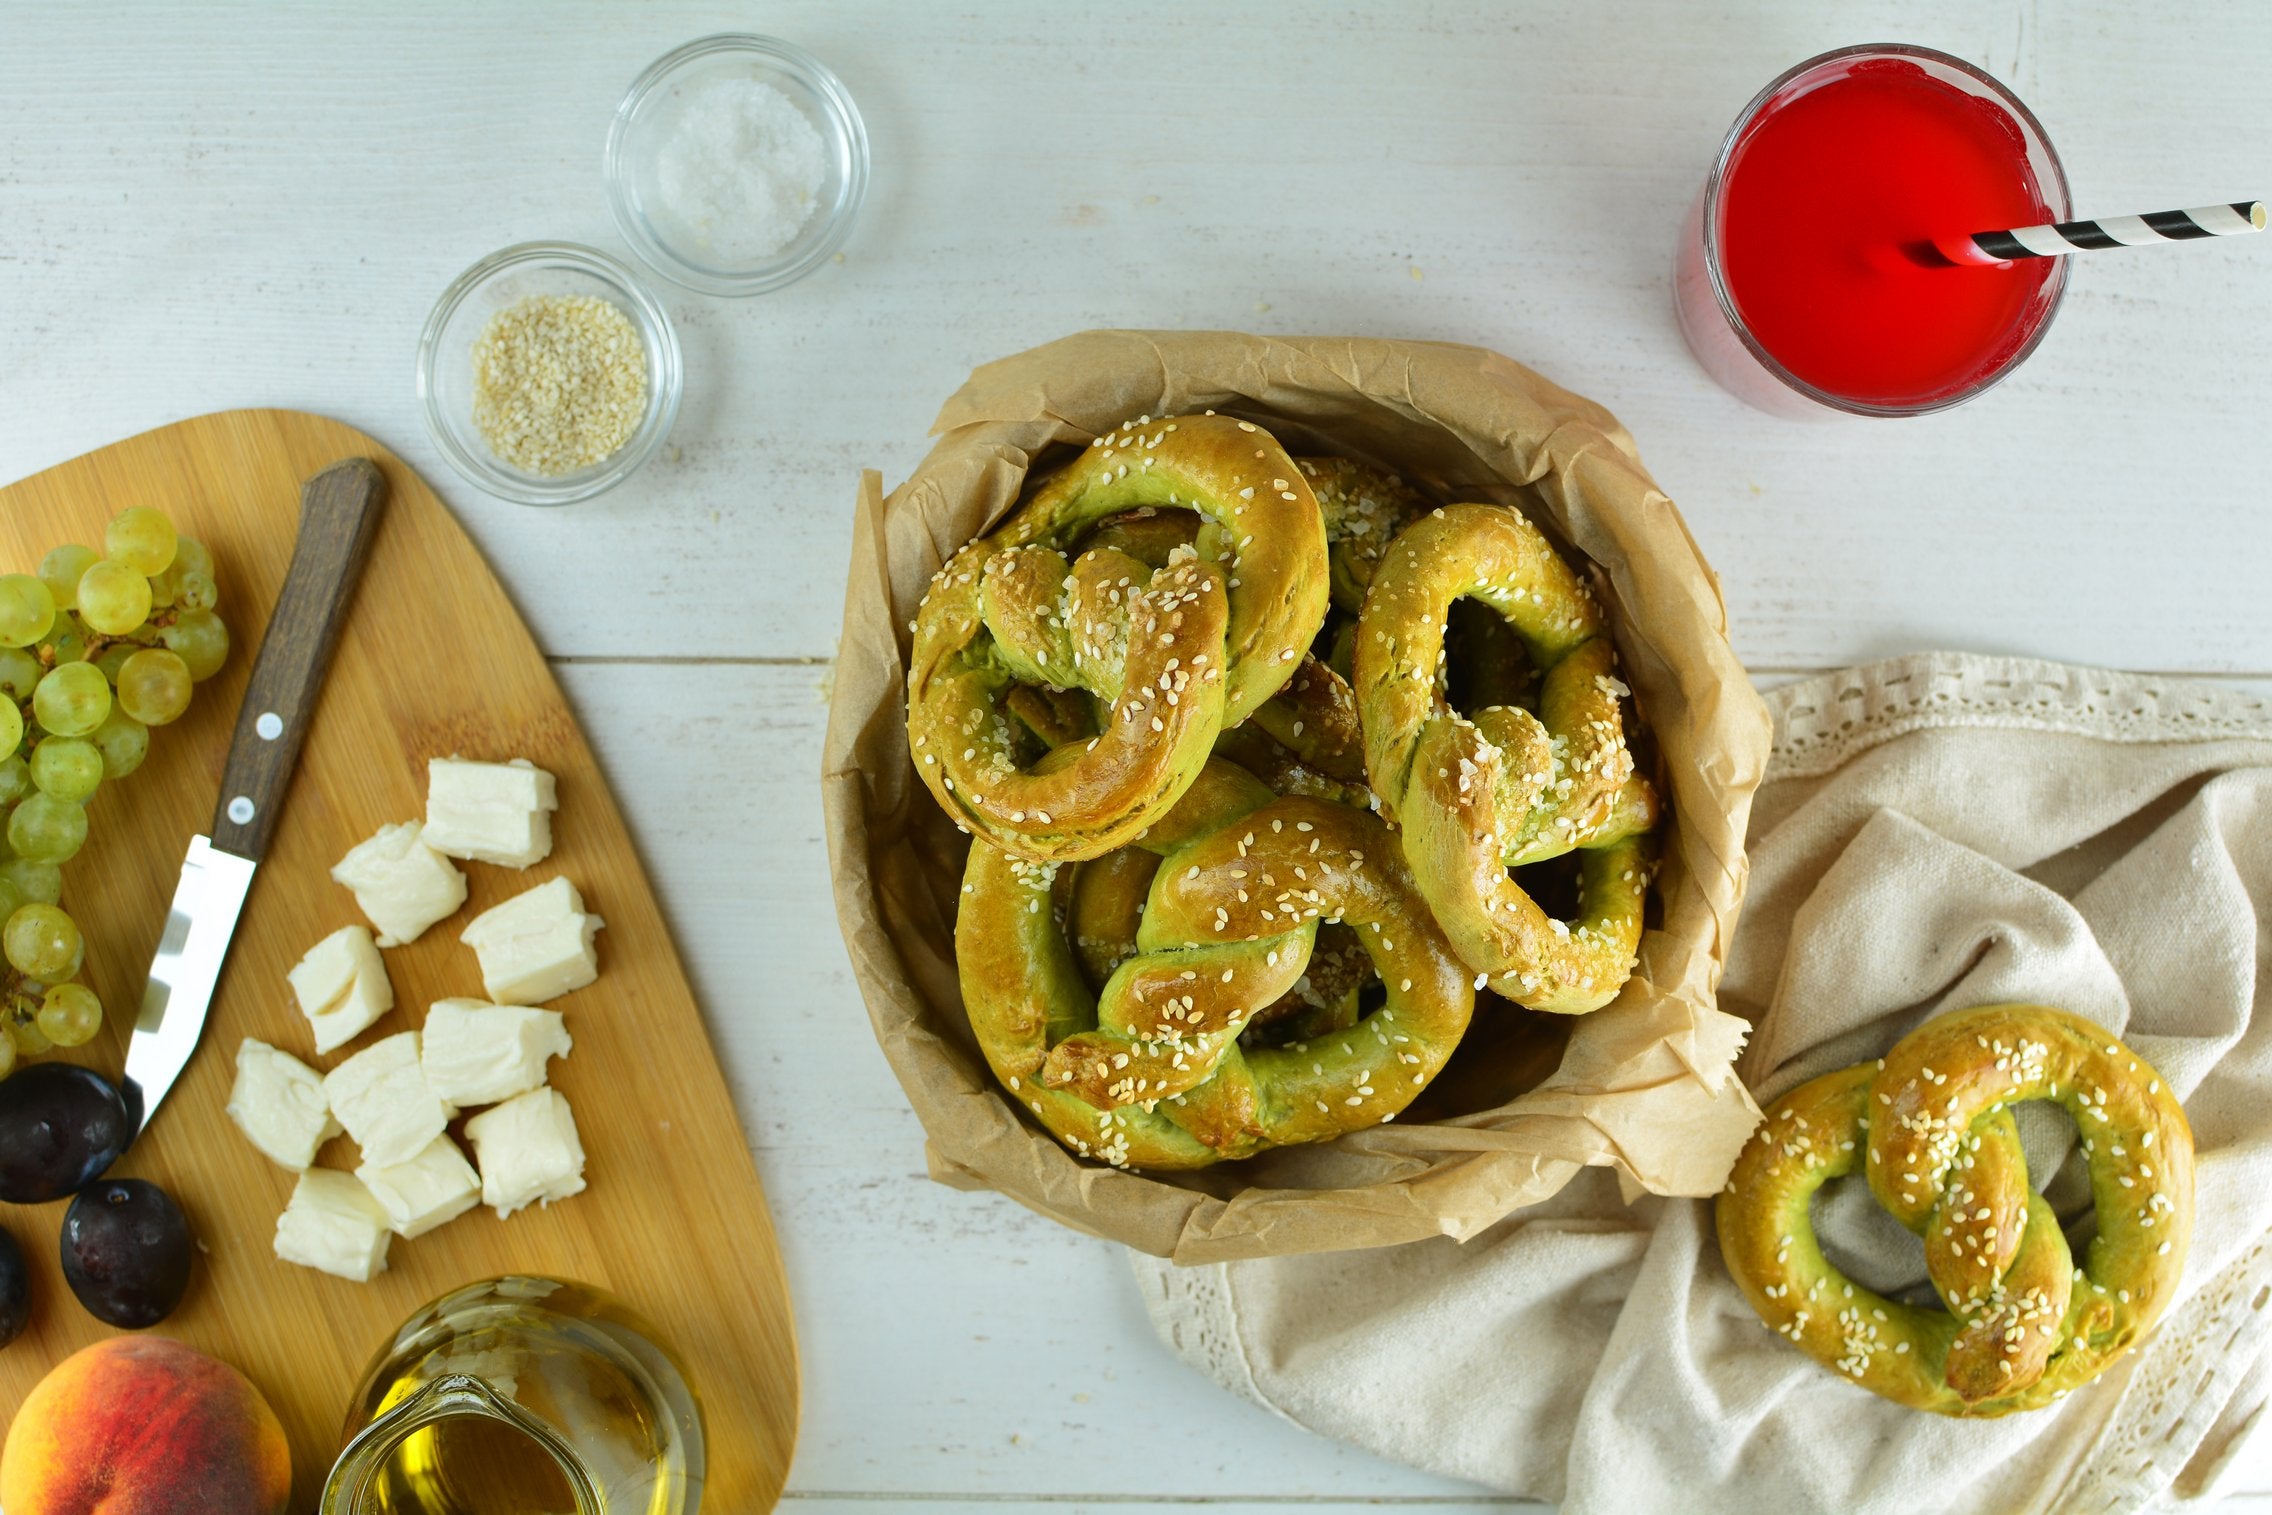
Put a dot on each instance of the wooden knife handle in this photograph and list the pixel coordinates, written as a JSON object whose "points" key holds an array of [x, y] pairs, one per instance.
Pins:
{"points": [[339, 515]]}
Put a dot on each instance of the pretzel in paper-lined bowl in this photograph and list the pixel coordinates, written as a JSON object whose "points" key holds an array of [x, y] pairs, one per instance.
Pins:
{"points": [[2022, 1324], [1162, 653], [1168, 696]]}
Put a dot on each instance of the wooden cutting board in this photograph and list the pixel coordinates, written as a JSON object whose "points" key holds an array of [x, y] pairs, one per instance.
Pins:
{"points": [[433, 661]]}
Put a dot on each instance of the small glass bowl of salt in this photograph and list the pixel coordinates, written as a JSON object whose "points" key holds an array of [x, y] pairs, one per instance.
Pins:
{"points": [[736, 164]]}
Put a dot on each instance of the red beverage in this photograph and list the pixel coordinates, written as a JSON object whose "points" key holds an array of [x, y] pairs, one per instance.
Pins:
{"points": [[1813, 241], [1831, 200]]}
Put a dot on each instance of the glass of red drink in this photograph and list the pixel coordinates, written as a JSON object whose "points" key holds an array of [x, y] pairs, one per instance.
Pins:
{"points": [[1807, 283]]}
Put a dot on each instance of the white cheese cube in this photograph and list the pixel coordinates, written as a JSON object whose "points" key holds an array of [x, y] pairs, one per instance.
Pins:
{"points": [[402, 884], [435, 1186], [279, 1104], [333, 1223], [536, 945], [342, 986], [478, 1054], [490, 812], [381, 1097], [527, 1150]]}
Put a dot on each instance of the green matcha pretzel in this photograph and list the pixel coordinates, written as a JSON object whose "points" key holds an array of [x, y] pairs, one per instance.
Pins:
{"points": [[2023, 1326], [1478, 796], [1179, 653], [1315, 716], [1364, 509], [1149, 1073]]}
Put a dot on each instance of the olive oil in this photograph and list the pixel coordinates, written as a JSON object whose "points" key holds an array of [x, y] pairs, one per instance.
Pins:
{"points": [[470, 1465], [521, 1396]]}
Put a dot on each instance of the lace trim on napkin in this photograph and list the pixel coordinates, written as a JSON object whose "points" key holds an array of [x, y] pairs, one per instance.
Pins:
{"points": [[1191, 1310], [1822, 722], [2173, 1399]]}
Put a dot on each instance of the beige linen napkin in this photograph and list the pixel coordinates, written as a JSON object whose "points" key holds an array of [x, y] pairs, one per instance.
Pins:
{"points": [[1934, 832]]}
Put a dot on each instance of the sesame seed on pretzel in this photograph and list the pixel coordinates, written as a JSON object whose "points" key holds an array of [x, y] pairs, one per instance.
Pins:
{"points": [[1507, 787], [1931, 1124], [1364, 510], [1174, 652], [1150, 1071]]}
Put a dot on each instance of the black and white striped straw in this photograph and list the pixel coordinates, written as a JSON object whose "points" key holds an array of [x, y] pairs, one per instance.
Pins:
{"points": [[2112, 231]]}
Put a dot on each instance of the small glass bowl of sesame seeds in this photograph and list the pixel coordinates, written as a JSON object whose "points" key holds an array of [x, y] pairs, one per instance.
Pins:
{"points": [[548, 373]]}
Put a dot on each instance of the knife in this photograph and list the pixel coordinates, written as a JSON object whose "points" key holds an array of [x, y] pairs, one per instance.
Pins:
{"points": [[339, 515]]}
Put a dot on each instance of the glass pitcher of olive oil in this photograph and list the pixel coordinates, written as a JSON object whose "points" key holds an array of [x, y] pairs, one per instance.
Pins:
{"points": [[521, 1396]]}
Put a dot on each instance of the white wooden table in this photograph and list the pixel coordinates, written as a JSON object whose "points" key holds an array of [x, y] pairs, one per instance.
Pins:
{"points": [[210, 205]]}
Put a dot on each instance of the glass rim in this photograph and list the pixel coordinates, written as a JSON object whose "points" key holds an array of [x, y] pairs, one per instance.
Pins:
{"points": [[666, 376], [2056, 189], [844, 116], [348, 1486]]}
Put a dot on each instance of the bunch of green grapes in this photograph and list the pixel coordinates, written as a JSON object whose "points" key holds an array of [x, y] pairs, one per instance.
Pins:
{"points": [[95, 649]]}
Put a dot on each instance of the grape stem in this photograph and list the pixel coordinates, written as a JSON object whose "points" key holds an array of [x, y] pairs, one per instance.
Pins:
{"points": [[99, 642], [15, 986]]}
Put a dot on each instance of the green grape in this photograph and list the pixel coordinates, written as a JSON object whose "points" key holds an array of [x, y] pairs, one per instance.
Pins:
{"points": [[67, 767], [113, 599], [153, 686], [44, 943], [35, 881], [123, 741], [201, 640], [72, 700], [141, 539], [165, 588], [191, 556], [7, 1055], [19, 672], [24, 1031], [12, 899], [71, 1015], [113, 658], [27, 610], [67, 643], [15, 780], [45, 829], [195, 591], [11, 727], [61, 570]]}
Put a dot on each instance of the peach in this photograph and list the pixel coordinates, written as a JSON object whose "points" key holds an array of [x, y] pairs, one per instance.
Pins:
{"points": [[141, 1425]]}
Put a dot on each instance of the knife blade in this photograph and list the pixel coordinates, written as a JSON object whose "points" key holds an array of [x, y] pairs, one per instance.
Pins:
{"points": [[339, 515]]}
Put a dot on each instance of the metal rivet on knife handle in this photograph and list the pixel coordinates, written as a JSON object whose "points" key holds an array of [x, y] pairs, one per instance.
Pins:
{"points": [[339, 515]]}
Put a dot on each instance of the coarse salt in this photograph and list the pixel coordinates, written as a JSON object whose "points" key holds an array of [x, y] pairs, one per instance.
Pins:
{"points": [[742, 170]]}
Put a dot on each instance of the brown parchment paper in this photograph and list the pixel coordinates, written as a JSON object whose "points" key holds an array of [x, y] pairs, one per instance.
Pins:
{"points": [[1645, 1086]]}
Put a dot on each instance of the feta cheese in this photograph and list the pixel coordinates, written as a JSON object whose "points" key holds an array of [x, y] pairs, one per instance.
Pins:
{"points": [[401, 883], [435, 1186], [381, 1097], [333, 1224], [479, 1054], [535, 946], [490, 812], [279, 1104], [342, 986], [527, 1149]]}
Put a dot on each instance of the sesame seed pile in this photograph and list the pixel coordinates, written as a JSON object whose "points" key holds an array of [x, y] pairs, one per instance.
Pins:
{"points": [[559, 383], [1164, 650]]}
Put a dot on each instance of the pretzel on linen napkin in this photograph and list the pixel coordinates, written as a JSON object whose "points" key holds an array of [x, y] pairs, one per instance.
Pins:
{"points": [[1935, 832]]}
